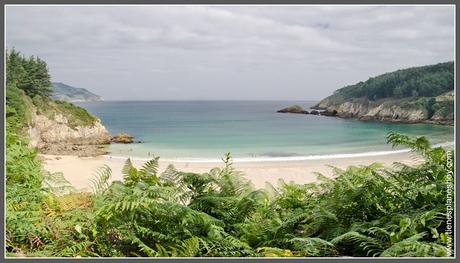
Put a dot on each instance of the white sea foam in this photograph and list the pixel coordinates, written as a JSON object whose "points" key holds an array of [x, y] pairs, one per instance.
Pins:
{"points": [[280, 159]]}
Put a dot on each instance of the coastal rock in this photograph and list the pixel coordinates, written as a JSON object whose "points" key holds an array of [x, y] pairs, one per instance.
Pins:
{"points": [[314, 112], [123, 138], [384, 110], [293, 109], [54, 136], [395, 113], [328, 113]]}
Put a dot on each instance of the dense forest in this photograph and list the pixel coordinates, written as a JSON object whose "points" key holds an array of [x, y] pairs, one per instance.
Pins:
{"points": [[426, 81], [369, 211]]}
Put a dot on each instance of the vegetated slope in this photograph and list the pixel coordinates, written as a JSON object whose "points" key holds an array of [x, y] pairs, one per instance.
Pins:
{"points": [[68, 93], [54, 127], [418, 94]]}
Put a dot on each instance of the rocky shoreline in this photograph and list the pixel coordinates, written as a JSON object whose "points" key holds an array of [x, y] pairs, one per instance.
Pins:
{"points": [[369, 112], [383, 111]]}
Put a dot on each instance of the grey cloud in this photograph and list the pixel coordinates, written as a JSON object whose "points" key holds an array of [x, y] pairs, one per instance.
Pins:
{"points": [[228, 52]]}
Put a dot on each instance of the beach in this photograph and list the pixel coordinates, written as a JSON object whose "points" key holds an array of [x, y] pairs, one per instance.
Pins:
{"points": [[80, 170]]}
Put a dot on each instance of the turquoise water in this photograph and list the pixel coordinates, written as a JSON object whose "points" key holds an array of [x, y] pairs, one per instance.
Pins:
{"points": [[247, 129]]}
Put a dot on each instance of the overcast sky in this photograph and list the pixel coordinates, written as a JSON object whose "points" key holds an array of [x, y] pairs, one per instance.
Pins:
{"points": [[228, 52]]}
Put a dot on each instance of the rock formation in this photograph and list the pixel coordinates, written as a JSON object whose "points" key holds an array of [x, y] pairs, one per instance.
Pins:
{"points": [[293, 109], [384, 110], [123, 138], [55, 136]]}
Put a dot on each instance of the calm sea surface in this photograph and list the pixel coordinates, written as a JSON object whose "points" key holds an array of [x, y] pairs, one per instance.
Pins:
{"points": [[247, 129]]}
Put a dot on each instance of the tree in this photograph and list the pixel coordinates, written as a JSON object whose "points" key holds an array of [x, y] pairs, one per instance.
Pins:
{"points": [[29, 74]]}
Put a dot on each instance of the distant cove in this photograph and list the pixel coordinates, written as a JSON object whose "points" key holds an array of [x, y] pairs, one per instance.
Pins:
{"points": [[247, 129]]}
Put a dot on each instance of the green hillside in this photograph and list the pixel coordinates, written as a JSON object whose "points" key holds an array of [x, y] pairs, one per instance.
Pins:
{"points": [[426, 81], [419, 94]]}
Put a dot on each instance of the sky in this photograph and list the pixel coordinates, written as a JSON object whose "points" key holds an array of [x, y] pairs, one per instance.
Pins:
{"points": [[219, 52]]}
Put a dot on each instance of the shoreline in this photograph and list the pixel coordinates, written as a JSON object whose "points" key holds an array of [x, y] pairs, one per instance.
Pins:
{"points": [[80, 170], [277, 159]]}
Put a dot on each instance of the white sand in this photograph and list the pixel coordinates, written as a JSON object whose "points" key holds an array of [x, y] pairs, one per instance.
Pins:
{"points": [[80, 170]]}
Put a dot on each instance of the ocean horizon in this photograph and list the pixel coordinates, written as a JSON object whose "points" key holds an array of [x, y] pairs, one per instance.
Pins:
{"points": [[204, 130]]}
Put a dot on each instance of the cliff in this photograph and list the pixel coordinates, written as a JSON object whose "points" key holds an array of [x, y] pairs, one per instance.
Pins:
{"points": [[61, 128], [68, 93], [414, 95], [391, 110], [54, 136]]}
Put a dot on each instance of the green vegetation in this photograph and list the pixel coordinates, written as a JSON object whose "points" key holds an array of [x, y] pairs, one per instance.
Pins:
{"points": [[28, 74], [363, 211], [426, 81], [28, 88], [75, 115], [17, 110]]}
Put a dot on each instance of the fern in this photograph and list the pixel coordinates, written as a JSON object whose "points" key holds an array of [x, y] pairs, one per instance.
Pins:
{"points": [[101, 180]]}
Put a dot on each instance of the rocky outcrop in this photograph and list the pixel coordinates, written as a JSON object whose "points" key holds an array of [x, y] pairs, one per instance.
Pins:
{"points": [[383, 110], [329, 113], [55, 136], [293, 109], [123, 138]]}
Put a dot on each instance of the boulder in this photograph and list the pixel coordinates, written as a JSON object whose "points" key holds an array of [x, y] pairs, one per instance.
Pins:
{"points": [[123, 138], [293, 109], [314, 112]]}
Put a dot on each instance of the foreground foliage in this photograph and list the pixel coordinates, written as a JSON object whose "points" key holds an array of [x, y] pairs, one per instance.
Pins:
{"points": [[362, 211]]}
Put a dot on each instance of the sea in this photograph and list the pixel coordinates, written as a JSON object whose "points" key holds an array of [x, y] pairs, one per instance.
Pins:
{"points": [[204, 131]]}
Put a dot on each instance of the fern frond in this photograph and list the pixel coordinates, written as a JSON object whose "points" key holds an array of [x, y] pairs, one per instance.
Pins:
{"points": [[101, 179], [57, 184], [314, 247]]}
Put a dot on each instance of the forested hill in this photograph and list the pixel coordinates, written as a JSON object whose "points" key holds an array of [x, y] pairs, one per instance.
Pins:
{"points": [[417, 94], [426, 81]]}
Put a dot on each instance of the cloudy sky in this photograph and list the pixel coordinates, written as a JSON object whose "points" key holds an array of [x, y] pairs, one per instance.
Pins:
{"points": [[228, 52]]}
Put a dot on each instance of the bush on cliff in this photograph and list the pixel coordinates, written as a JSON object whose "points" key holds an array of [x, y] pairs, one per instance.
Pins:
{"points": [[76, 116]]}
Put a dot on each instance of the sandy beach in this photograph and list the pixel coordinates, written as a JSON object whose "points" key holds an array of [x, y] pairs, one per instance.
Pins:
{"points": [[80, 170]]}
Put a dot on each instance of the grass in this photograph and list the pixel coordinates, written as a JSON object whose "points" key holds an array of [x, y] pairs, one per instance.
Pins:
{"points": [[76, 116]]}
